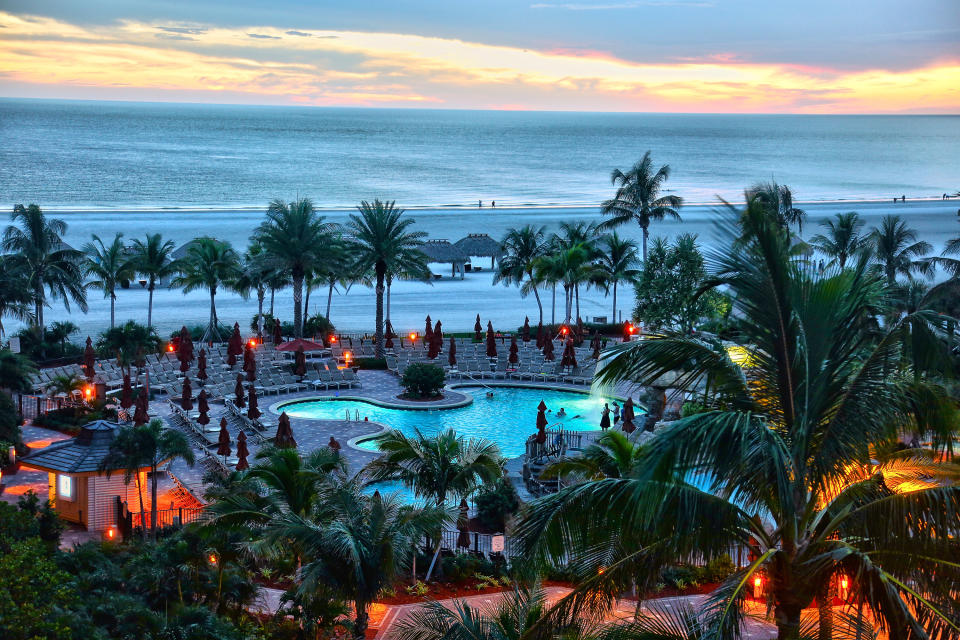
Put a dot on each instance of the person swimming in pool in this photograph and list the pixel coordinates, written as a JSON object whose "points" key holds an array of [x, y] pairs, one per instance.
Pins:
{"points": [[562, 413]]}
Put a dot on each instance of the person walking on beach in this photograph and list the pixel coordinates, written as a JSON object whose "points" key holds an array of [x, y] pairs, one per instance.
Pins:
{"points": [[493, 203], [605, 418], [479, 204]]}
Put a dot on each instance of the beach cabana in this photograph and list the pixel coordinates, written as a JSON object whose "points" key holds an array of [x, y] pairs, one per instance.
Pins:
{"points": [[78, 489], [442, 251], [480, 245]]}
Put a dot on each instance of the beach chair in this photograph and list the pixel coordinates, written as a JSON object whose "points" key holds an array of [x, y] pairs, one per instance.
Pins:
{"points": [[350, 377]]}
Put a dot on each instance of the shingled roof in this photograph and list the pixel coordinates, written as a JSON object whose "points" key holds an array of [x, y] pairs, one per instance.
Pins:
{"points": [[82, 454]]}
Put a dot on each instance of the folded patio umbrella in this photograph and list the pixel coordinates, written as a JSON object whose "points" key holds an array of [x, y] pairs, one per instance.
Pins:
{"points": [[463, 525], [541, 423], [525, 331], [513, 359], [428, 332], [234, 345], [185, 350], [223, 440], [548, 349], [579, 335], [242, 452], [284, 438], [250, 363], [491, 341], [126, 393], [186, 397], [277, 331], [569, 358], [142, 406], [253, 411], [477, 328], [238, 392], [203, 407], [89, 360], [202, 366], [299, 362], [452, 353], [540, 335], [438, 336]]}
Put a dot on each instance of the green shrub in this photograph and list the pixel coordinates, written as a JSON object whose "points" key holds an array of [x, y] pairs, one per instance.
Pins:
{"points": [[423, 380], [70, 419], [717, 569], [692, 408], [495, 503], [679, 576], [464, 566], [370, 363], [10, 420], [318, 326]]}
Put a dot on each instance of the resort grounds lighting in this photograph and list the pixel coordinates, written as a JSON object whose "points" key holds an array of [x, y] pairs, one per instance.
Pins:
{"points": [[758, 587], [413, 336], [111, 532], [212, 558], [170, 347], [253, 343]]}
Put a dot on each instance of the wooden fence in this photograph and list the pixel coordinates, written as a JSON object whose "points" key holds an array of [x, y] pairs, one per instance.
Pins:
{"points": [[130, 522]]}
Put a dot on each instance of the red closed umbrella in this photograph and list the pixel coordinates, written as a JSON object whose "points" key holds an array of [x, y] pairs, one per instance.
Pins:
{"points": [[89, 360], [277, 331], [596, 344], [253, 412], [430, 339], [452, 353], [463, 525], [142, 406], [204, 408], [579, 335], [569, 358], [242, 452], [202, 366], [185, 350], [238, 392], [541, 423], [525, 331], [234, 345], [284, 438], [389, 335], [540, 335], [223, 440], [140, 360], [627, 416], [428, 332], [491, 341], [126, 393], [438, 336], [300, 362], [548, 349], [250, 363], [477, 328], [186, 397], [513, 359]]}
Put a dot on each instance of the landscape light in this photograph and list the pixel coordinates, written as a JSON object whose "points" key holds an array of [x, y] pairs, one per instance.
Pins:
{"points": [[758, 587], [253, 343], [170, 347], [212, 558], [631, 329], [413, 336], [333, 338], [88, 391], [844, 590]]}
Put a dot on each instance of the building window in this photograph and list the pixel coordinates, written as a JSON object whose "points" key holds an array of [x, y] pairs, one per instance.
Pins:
{"points": [[65, 487]]}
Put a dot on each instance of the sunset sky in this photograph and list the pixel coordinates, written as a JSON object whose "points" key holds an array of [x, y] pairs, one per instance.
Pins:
{"points": [[848, 56]]}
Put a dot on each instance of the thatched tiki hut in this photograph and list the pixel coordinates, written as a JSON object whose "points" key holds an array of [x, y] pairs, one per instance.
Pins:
{"points": [[443, 252], [480, 245]]}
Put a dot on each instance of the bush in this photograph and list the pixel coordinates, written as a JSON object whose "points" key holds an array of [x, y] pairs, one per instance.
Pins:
{"points": [[10, 420], [70, 419], [423, 380], [495, 503], [318, 326], [717, 569], [464, 566], [370, 363]]}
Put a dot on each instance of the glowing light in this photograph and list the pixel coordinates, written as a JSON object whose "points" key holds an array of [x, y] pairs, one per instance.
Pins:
{"points": [[347, 355], [413, 336], [739, 355], [563, 331], [212, 558], [88, 392], [333, 338], [110, 533], [758, 587], [253, 343], [844, 589], [170, 347]]}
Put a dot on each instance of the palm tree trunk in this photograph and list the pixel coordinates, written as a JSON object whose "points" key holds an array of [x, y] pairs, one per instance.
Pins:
{"points": [[261, 294], [381, 271], [614, 317], [140, 496], [389, 284], [553, 305], [213, 315], [825, 611], [306, 303], [273, 294], [362, 620], [536, 294], [568, 294], [576, 291], [150, 305], [297, 303], [330, 298], [113, 309], [646, 234], [153, 501]]}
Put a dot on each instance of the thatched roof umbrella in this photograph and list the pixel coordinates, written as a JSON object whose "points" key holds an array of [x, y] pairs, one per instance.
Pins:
{"points": [[238, 392], [541, 423], [477, 328], [463, 525], [299, 362], [548, 349], [428, 332], [202, 366], [540, 335], [277, 331], [204, 408], [234, 345], [284, 438], [627, 416], [141, 407], [223, 440], [569, 358], [89, 360], [253, 411], [186, 397], [481, 245], [513, 359], [242, 452], [126, 393], [444, 252], [452, 353], [491, 341], [525, 331]]}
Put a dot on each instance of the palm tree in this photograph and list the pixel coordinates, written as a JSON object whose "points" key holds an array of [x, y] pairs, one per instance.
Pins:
{"points": [[153, 259], [408, 264], [60, 331], [126, 341], [613, 455], [777, 201], [209, 264], [842, 239], [783, 464], [50, 267], [381, 235], [617, 263], [295, 239], [896, 249], [521, 249], [637, 198], [16, 372], [436, 468], [568, 267], [356, 544], [109, 268], [254, 276], [14, 292]]}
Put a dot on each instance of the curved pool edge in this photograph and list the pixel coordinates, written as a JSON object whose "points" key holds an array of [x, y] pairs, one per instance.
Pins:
{"points": [[386, 404], [354, 442], [547, 386]]}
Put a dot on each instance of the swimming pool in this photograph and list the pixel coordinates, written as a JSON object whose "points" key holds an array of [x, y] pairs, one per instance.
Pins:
{"points": [[506, 419]]}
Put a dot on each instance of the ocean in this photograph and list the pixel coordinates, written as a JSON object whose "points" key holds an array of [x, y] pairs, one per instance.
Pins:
{"points": [[190, 170]]}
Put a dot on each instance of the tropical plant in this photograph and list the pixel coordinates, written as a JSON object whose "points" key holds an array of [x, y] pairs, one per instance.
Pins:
{"points": [[423, 380], [50, 267], [65, 383], [14, 292], [568, 267], [127, 341], [669, 296], [521, 249], [380, 236], [617, 262], [783, 464], [153, 259], [60, 331], [436, 468], [295, 239], [637, 198], [613, 455], [16, 372], [841, 239], [108, 268], [409, 264], [897, 251], [255, 275], [209, 264], [776, 200]]}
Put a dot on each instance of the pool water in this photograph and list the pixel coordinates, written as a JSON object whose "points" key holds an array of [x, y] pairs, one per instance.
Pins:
{"points": [[505, 419]]}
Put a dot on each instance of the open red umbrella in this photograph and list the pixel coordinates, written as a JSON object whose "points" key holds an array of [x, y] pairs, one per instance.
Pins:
{"points": [[277, 332], [234, 345], [142, 406], [223, 440], [452, 353], [89, 360], [513, 359], [204, 408], [541, 423], [300, 362], [548, 349], [242, 451], [477, 328], [284, 438], [126, 393], [627, 416], [540, 335], [186, 397], [569, 358], [491, 341], [525, 331], [428, 332], [463, 525], [253, 411], [238, 392], [250, 363], [202, 366]]}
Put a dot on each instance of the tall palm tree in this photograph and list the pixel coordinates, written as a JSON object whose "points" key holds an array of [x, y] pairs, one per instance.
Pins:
{"points": [[618, 263], [568, 267], [637, 198], [16, 371], [153, 259], [209, 264], [783, 464], [355, 543], [14, 292], [436, 468], [521, 249], [126, 341], [50, 267], [254, 276], [897, 251], [60, 331], [777, 201], [108, 268], [409, 264], [842, 239], [295, 238], [380, 233]]}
